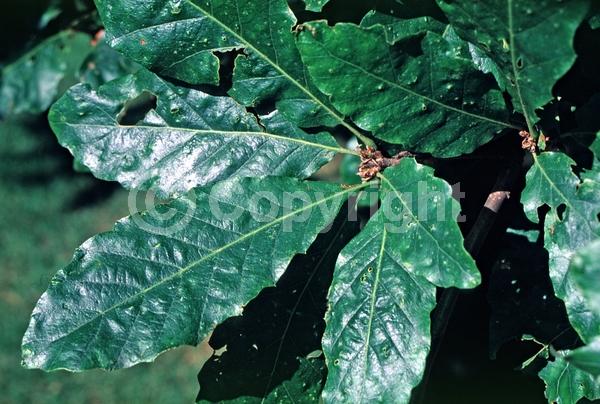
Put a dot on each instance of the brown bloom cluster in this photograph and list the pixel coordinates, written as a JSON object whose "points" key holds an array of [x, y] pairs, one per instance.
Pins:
{"points": [[372, 162], [528, 142]]}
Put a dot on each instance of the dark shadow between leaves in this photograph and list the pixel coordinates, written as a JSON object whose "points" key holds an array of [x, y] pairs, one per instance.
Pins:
{"points": [[260, 349], [522, 298]]}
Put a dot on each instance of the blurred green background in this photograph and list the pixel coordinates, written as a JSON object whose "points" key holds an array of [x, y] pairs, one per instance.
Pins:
{"points": [[46, 211]]}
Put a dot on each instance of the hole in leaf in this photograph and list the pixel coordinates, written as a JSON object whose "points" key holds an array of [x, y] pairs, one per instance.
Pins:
{"points": [[520, 63], [136, 109], [560, 211]]}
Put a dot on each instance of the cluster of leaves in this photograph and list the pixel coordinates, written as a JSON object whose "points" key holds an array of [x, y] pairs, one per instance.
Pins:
{"points": [[170, 115]]}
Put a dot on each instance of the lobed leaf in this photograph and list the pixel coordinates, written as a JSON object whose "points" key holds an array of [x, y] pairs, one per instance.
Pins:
{"points": [[398, 29], [430, 99], [515, 35], [377, 335], [551, 181], [278, 328], [163, 279], [179, 38], [189, 139]]}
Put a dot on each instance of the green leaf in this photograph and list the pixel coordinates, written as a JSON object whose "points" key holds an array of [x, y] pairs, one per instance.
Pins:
{"points": [[551, 181], [587, 358], [565, 384], [178, 38], [105, 64], [429, 99], [595, 21], [277, 327], [585, 270], [33, 82], [421, 223], [398, 29], [315, 5], [377, 335], [378, 324], [167, 278], [516, 35], [189, 139]]}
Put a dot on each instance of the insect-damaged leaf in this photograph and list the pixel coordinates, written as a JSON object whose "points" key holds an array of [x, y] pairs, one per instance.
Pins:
{"points": [[377, 334], [33, 82], [157, 281], [571, 224], [426, 96], [189, 139], [178, 38], [530, 42]]}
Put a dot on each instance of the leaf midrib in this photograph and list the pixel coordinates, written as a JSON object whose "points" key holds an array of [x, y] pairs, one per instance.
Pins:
{"points": [[217, 133], [447, 254], [210, 255], [372, 307], [418, 95], [276, 66], [513, 59]]}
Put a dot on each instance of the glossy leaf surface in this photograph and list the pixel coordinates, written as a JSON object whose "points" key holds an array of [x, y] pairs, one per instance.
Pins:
{"points": [[167, 278], [585, 270], [178, 38], [315, 5], [571, 224], [190, 138], [377, 334], [516, 36], [428, 100], [566, 384], [401, 29], [278, 328]]}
